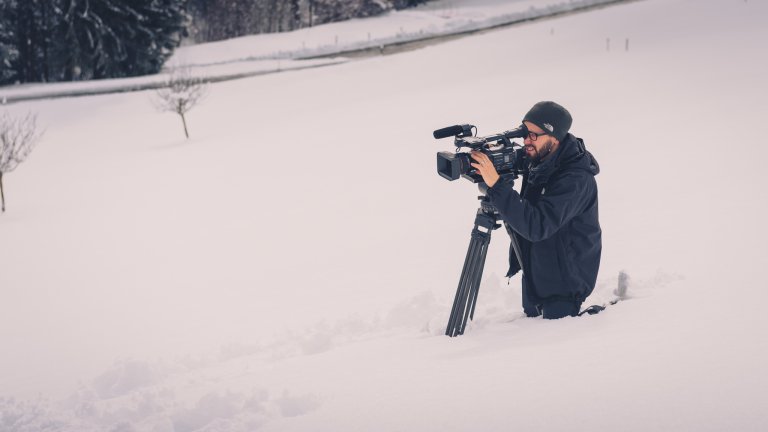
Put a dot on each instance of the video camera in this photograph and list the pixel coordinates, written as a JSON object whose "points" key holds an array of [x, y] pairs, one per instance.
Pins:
{"points": [[505, 155]]}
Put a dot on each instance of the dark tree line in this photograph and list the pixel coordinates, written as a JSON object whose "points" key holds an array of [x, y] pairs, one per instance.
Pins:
{"points": [[70, 40], [223, 19]]}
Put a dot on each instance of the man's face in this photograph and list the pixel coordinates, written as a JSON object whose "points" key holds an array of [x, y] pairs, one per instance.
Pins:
{"points": [[541, 146]]}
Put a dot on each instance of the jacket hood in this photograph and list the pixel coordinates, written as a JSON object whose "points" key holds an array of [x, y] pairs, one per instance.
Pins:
{"points": [[571, 154]]}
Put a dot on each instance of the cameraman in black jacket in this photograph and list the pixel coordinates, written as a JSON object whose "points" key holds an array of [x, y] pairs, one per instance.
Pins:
{"points": [[554, 217]]}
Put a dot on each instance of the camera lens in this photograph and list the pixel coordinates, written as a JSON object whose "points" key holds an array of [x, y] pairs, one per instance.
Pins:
{"points": [[451, 166]]}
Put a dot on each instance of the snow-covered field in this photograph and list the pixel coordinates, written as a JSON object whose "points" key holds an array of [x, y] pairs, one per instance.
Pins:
{"points": [[291, 267]]}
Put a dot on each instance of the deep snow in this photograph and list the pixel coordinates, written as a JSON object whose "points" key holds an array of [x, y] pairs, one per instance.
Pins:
{"points": [[291, 267]]}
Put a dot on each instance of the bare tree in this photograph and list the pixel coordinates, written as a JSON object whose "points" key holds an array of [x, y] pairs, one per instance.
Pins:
{"points": [[181, 93], [18, 137]]}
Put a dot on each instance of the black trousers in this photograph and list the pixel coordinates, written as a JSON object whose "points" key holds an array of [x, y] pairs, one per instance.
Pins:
{"points": [[549, 308]]}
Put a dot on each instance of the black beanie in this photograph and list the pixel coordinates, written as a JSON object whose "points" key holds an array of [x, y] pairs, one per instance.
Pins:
{"points": [[551, 118]]}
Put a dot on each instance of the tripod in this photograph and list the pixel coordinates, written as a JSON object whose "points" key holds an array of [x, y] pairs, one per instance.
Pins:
{"points": [[469, 284]]}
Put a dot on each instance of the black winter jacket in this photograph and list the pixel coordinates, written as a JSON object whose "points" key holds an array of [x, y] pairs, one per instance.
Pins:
{"points": [[555, 220]]}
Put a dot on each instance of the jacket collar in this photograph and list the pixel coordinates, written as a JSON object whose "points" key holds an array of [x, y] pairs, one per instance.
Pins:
{"points": [[571, 153]]}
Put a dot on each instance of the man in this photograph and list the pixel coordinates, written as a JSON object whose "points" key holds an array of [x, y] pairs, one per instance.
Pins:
{"points": [[554, 217]]}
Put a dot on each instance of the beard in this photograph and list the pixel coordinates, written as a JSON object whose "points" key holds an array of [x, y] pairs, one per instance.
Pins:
{"points": [[537, 156], [532, 153]]}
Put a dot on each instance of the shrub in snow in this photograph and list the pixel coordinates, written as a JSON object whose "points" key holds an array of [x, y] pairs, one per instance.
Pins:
{"points": [[180, 94], [18, 137]]}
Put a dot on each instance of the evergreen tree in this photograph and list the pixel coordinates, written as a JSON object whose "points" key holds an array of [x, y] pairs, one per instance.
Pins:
{"points": [[66, 40], [159, 27], [24, 40], [112, 38], [9, 55], [86, 44]]}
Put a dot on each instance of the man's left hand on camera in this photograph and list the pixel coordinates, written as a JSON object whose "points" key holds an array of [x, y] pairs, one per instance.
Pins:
{"points": [[485, 167]]}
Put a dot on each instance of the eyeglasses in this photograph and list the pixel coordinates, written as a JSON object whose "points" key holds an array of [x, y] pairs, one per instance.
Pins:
{"points": [[533, 135]]}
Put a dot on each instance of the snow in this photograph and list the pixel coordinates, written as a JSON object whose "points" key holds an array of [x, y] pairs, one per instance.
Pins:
{"points": [[291, 267], [210, 73]]}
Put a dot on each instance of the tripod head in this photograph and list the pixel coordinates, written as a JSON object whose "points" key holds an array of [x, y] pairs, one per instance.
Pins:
{"points": [[485, 204]]}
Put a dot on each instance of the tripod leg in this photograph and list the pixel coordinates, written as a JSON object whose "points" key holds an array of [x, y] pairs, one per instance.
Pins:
{"points": [[462, 291], [476, 278], [472, 286], [481, 266]]}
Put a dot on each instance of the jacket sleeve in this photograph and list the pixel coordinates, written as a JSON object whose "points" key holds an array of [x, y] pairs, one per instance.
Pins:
{"points": [[562, 199]]}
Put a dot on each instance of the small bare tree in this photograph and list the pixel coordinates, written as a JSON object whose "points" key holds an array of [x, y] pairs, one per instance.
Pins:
{"points": [[18, 137], [180, 94]]}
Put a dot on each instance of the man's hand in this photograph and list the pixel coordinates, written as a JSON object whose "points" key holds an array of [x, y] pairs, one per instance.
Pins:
{"points": [[485, 167]]}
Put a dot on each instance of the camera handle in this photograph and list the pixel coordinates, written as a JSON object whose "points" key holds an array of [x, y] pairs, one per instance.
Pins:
{"points": [[464, 303]]}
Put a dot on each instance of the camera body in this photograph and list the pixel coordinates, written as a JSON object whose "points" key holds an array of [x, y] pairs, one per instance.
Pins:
{"points": [[507, 156]]}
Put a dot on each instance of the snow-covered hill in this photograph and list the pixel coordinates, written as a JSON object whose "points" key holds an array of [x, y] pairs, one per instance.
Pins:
{"points": [[318, 46], [292, 266]]}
